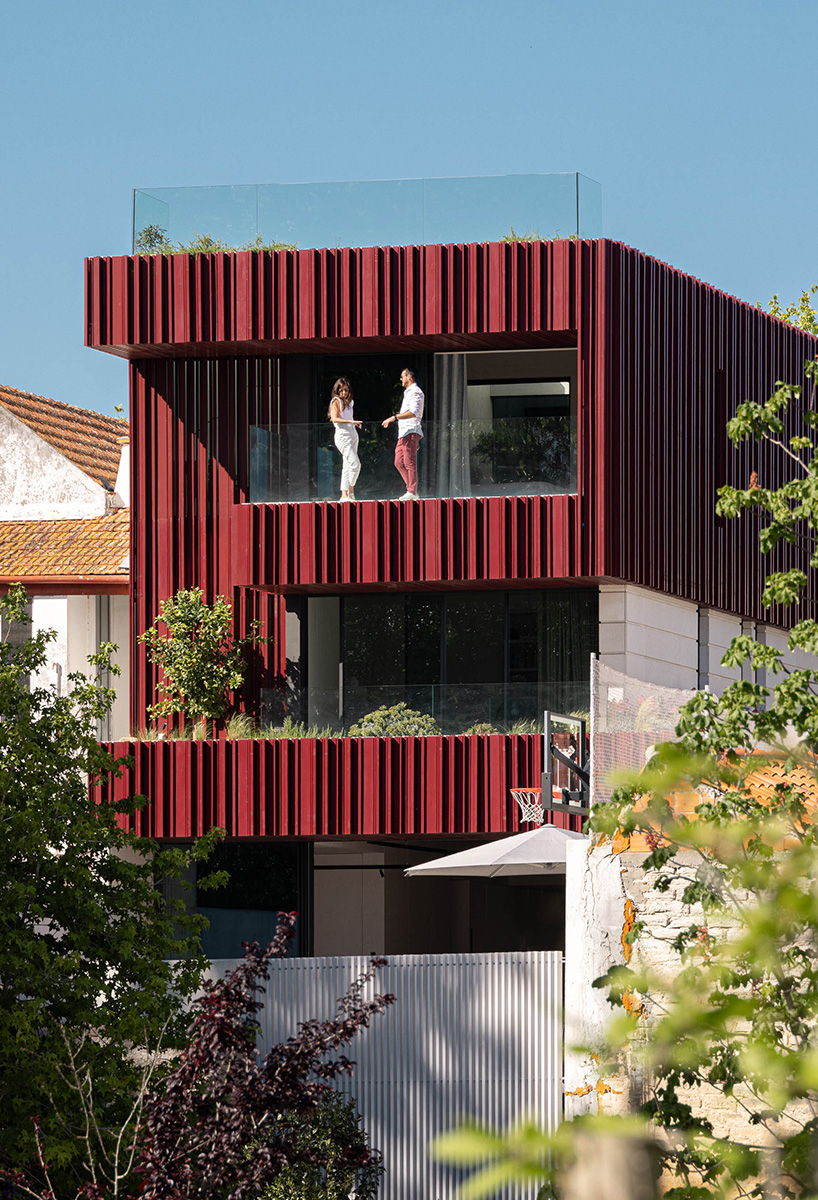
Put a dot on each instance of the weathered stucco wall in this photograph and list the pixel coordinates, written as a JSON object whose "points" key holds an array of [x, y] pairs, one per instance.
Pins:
{"points": [[37, 482], [605, 893]]}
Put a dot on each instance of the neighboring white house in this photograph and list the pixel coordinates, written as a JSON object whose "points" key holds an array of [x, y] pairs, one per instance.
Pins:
{"points": [[65, 531]]}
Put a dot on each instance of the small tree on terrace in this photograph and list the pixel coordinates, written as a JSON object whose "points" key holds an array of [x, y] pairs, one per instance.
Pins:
{"points": [[200, 658]]}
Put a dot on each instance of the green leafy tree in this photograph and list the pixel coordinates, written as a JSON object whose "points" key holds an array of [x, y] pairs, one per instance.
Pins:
{"points": [[733, 1020], [201, 659], [89, 1001], [800, 312]]}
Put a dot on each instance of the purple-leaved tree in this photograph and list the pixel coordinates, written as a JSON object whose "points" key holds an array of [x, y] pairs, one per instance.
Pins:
{"points": [[213, 1129]]}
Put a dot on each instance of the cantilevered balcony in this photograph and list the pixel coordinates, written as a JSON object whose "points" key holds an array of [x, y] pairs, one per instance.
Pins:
{"points": [[330, 787], [505, 456]]}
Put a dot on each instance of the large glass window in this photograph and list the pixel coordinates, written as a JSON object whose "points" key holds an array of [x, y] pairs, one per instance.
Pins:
{"points": [[265, 878], [495, 423], [469, 659]]}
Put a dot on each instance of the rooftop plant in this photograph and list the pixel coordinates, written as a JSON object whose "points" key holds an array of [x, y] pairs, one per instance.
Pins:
{"points": [[153, 239]]}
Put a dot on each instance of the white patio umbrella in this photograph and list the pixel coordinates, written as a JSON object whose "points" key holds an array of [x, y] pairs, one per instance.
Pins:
{"points": [[537, 852]]}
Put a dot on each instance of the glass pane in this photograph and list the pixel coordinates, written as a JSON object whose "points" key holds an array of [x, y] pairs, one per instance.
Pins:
{"points": [[506, 456], [263, 880], [491, 207], [374, 640], [378, 213], [227, 213], [475, 638], [507, 656], [423, 648], [589, 192]]}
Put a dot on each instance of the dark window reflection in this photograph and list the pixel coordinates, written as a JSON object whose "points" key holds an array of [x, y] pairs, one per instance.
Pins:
{"points": [[470, 658]]}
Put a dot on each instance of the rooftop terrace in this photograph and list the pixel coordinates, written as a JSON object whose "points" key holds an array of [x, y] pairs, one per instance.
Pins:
{"points": [[391, 212]]}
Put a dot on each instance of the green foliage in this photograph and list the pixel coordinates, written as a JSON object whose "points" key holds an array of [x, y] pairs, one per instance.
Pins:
{"points": [[483, 728], [200, 658], [88, 998], [327, 1132], [202, 243], [525, 1155], [735, 1015], [533, 236], [524, 727], [242, 725], [397, 721], [153, 239], [258, 243], [513, 236], [297, 729], [800, 312], [740, 1013]]}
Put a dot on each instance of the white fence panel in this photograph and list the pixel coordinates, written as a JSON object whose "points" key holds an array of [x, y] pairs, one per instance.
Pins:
{"points": [[470, 1035]]}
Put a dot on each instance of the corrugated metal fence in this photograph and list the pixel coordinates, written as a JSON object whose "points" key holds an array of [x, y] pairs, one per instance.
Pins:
{"points": [[471, 1035]]}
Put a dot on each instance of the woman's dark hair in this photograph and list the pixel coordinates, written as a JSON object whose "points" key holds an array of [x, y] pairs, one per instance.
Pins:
{"points": [[337, 388]]}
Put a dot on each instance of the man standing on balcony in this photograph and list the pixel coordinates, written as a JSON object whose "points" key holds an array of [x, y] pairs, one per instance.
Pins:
{"points": [[409, 433]]}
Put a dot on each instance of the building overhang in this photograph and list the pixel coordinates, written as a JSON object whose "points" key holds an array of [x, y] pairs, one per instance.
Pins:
{"points": [[452, 297], [431, 344]]}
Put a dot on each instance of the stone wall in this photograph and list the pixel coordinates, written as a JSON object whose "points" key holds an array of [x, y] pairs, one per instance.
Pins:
{"points": [[607, 890]]}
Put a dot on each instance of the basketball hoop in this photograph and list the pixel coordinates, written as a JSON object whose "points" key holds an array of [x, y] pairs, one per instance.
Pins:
{"points": [[530, 802]]}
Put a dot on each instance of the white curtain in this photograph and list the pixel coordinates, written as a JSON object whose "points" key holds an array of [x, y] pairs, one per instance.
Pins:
{"points": [[448, 428]]}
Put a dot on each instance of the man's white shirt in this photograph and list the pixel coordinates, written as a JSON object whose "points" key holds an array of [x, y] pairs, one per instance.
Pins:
{"points": [[413, 400]]}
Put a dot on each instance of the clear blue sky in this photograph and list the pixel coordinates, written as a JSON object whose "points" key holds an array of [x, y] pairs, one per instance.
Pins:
{"points": [[695, 116]]}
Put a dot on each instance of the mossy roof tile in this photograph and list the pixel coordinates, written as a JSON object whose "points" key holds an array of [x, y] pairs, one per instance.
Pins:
{"points": [[90, 546]]}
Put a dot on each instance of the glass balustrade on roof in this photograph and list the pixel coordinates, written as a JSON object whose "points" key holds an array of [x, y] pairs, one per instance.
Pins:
{"points": [[391, 212]]}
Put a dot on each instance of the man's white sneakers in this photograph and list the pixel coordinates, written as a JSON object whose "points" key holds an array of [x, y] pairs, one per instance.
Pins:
{"points": [[410, 496]]}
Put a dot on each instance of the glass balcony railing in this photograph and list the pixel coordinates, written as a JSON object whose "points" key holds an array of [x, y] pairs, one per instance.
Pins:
{"points": [[507, 456], [454, 708], [391, 212]]}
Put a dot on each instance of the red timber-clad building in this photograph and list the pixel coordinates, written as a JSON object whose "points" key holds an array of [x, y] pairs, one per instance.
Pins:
{"points": [[577, 393]]}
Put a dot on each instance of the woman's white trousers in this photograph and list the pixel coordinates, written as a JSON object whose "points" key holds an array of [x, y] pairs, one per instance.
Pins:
{"points": [[346, 440]]}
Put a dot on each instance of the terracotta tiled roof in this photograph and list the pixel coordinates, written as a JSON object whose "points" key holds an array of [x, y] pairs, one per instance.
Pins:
{"points": [[88, 439], [93, 546], [761, 784]]}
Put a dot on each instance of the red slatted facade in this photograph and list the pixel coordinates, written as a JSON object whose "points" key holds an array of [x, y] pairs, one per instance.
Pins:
{"points": [[663, 361], [339, 787], [680, 358]]}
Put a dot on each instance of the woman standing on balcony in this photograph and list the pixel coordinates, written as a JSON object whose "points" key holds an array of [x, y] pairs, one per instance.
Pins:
{"points": [[341, 407]]}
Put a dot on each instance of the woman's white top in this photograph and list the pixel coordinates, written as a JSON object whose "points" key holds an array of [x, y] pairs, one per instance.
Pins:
{"points": [[346, 414]]}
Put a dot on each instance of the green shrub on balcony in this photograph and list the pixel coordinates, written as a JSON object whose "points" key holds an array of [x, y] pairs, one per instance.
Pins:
{"points": [[397, 721]]}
